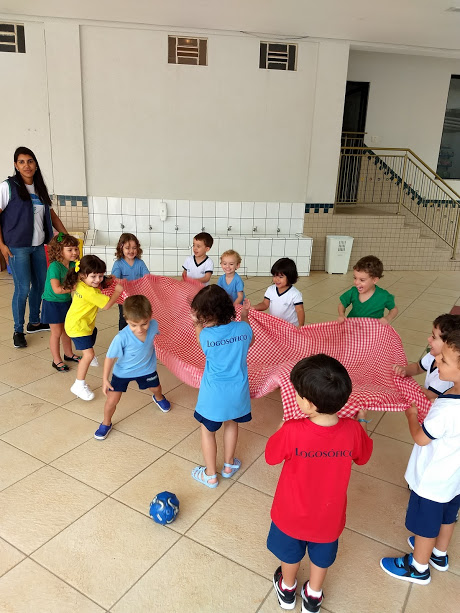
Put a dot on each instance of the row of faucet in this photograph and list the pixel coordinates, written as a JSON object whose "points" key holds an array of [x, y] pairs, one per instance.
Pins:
{"points": [[203, 229]]}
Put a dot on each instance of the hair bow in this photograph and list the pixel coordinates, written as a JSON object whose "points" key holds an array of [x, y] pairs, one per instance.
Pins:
{"points": [[77, 265], [60, 236]]}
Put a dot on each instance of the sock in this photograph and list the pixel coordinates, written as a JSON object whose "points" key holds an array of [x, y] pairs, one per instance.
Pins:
{"points": [[438, 552], [286, 587], [420, 567], [312, 593], [79, 382]]}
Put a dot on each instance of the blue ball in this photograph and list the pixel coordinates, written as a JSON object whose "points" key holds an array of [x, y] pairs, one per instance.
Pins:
{"points": [[164, 508]]}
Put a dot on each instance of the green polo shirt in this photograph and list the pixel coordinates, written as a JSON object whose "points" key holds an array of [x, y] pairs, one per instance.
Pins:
{"points": [[372, 307], [56, 270]]}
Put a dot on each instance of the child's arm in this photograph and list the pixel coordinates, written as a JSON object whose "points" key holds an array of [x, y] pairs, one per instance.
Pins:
{"points": [[57, 287], [342, 317], [389, 317], [239, 299], [108, 365], [415, 429], [205, 278], [113, 298], [410, 370], [300, 314], [244, 316], [262, 306]]}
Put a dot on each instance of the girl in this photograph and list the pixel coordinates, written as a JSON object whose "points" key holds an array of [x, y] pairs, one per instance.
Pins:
{"points": [[282, 299], [224, 389], [128, 265], [86, 278], [63, 250]]}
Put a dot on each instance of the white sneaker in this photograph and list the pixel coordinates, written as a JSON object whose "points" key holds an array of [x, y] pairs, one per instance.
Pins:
{"points": [[82, 391], [94, 361]]}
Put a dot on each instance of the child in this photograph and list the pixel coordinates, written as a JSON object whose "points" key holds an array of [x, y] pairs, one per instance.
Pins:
{"points": [[308, 510], [86, 278], [132, 356], [442, 325], [224, 388], [282, 299], [63, 251], [199, 266], [367, 298], [231, 281], [128, 265], [433, 475]]}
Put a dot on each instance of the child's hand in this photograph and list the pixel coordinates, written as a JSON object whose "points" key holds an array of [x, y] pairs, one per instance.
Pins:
{"points": [[383, 321], [341, 319], [106, 387], [412, 410], [245, 310], [399, 370], [184, 275]]}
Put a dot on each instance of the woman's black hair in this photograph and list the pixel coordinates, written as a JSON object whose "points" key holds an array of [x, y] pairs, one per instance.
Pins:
{"points": [[287, 267], [88, 264], [39, 184], [322, 380], [213, 305]]}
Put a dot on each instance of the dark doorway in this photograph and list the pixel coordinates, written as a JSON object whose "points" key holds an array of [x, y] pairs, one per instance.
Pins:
{"points": [[355, 107]]}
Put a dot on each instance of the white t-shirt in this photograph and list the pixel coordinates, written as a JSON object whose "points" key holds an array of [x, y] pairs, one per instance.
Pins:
{"points": [[38, 236], [196, 271], [433, 471], [283, 305], [432, 380]]}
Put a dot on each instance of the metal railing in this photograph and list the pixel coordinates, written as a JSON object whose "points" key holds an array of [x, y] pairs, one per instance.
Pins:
{"points": [[395, 179]]}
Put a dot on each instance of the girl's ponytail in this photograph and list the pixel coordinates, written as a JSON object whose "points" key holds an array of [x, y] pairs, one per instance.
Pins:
{"points": [[71, 277]]}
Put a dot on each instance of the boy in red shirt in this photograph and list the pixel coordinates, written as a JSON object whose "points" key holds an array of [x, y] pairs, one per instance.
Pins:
{"points": [[310, 501]]}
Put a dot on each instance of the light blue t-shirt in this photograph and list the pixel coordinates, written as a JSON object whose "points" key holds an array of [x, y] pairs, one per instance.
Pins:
{"points": [[122, 270], [224, 388], [135, 358], [236, 285]]}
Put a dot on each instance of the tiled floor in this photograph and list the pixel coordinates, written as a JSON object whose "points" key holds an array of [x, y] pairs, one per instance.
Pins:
{"points": [[75, 535]]}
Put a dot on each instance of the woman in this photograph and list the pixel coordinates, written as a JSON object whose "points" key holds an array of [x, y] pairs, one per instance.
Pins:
{"points": [[26, 224]]}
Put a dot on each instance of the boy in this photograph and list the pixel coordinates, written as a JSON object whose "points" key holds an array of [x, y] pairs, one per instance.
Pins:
{"points": [[367, 298], [134, 353], [311, 497], [198, 266], [231, 281], [433, 475], [442, 325]]}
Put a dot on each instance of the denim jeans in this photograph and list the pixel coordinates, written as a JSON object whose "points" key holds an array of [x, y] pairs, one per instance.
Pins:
{"points": [[28, 266]]}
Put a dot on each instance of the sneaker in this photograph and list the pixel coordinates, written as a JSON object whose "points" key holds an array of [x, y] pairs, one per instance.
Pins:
{"points": [[286, 598], [94, 361], [402, 568], [438, 562], [164, 405], [102, 432], [19, 340], [82, 391], [310, 604], [31, 329]]}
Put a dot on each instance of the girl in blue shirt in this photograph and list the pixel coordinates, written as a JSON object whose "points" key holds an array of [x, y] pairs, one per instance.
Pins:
{"points": [[224, 389], [128, 266]]}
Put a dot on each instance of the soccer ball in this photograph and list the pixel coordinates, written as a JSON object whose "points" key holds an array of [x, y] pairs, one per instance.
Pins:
{"points": [[164, 508]]}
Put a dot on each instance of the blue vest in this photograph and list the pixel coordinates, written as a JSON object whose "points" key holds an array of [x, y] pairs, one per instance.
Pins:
{"points": [[17, 220]]}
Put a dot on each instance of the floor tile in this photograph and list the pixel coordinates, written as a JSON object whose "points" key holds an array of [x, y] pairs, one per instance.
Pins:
{"points": [[443, 592], [184, 395], [29, 588], [51, 435], [39, 506], [5, 388], [9, 354], [17, 408], [394, 425], [267, 415], [413, 352], [106, 551], [56, 387], [15, 465], [9, 557], [388, 461], [107, 465], [261, 476], [238, 589], [24, 370], [171, 473]]}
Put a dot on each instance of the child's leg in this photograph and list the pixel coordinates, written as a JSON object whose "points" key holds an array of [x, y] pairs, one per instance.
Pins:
{"points": [[230, 441], [289, 573], [157, 392], [66, 343], [423, 548], [113, 398], [444, 536], [209, 449], [56, 332], [83, 364], [317, 576]]}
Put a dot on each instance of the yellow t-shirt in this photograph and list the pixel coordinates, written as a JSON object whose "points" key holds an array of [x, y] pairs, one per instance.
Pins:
{"points": [[81, 317]]}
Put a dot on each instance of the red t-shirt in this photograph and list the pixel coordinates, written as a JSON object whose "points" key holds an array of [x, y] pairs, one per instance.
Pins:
{"points": [[311, 497]]}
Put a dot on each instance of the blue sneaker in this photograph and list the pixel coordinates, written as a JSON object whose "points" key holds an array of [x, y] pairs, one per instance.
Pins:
{"points": [[164, 405], [438, 562], [401, 568], [102, 432]]}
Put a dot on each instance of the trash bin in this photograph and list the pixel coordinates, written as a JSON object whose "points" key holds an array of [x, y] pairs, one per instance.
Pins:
{"points": [[338, 251]]}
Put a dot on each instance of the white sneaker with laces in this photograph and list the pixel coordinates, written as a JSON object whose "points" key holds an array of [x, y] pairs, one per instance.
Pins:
{"points": [[94, 361], [82, 391]]}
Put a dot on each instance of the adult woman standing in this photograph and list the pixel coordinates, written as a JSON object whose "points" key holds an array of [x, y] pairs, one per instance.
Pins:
{"points": [[26, 224]]}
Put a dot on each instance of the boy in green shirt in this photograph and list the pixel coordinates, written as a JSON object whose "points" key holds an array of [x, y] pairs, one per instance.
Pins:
{"points": [[366, 298]]}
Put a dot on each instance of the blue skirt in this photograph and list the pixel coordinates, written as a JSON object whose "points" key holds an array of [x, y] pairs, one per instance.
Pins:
{"points": [[54, 312]]}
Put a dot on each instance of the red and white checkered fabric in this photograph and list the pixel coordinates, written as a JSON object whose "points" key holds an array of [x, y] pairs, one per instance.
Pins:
{"points": [[365, 347]]}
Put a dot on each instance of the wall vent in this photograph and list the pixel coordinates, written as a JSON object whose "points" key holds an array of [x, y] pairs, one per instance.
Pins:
{"points": [[182, 50], [278, 56], [12, 38]]}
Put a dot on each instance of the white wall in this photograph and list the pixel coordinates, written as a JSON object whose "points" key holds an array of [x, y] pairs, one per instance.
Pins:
{"points": [[407, 100]]}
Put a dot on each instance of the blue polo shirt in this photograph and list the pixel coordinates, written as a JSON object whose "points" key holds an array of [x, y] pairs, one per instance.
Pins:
{"points": [[135, 358], [236, 285], [122, 270]]}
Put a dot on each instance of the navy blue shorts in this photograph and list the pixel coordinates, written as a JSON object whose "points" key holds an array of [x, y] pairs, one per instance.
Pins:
{"points": [[425, 517], [213, 426], [120, 384], [85, 342], [54, 312], [291, 550]]}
